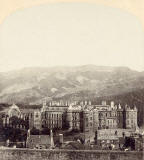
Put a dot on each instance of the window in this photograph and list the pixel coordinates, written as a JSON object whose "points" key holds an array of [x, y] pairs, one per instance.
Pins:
{"points": [[90, 124]]}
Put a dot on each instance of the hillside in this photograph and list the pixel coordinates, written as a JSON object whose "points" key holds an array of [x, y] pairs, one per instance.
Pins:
{"points": [[31, 85]]}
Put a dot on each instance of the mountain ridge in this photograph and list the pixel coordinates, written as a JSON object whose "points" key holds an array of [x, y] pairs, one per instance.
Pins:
{"points": [[31, 85]]}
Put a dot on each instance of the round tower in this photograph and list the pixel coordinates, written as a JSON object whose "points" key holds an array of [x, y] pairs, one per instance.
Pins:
{"points": [[95, 120], [86, 120], [69, 117]]}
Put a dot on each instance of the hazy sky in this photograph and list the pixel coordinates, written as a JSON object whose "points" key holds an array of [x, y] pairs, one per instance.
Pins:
{"points": [[71, 34]]}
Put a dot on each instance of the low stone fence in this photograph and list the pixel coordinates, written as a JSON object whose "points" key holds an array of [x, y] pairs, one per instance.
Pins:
{"points": [[33, 154]]}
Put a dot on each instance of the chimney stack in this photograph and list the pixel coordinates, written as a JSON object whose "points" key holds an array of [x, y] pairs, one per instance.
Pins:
{"points": [[51, 139], [104, 103], [112, 104], [90, 103], [61, 138], [85, 102]]}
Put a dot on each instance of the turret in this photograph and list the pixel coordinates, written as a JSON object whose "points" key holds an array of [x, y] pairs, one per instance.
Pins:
{"points": [[86, 120], [85, 102], [119, 106], [44, 102], [130, 117], [44, 106], [135, 108], [69, 117], [81, 103], [50, 103], [90, 103], [95, 120], [112, 104], [58, 103]]}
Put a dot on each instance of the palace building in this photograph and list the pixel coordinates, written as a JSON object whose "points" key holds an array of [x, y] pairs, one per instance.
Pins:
{"points": [[82, 116]]}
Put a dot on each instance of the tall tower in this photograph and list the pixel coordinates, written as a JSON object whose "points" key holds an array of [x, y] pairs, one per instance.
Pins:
{"points": [[86, 120], [69, 117], [44, 107], [37, 119], [112, 104], [130, 118], [44, 101], [120, 117], [95, 120]]}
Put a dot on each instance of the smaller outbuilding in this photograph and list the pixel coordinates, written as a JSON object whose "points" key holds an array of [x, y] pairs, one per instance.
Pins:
{"points": [[38, 142]]}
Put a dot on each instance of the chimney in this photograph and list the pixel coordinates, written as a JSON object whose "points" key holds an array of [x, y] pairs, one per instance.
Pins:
{"points": [[66, 103], [104, 103], [119, 106], [28, 133], [85, 102], [61, 138], [90, 103], [62, 103], [52, 103], [58, 103], [112, 104], [135, 108], [51, 139], [44, 102]]}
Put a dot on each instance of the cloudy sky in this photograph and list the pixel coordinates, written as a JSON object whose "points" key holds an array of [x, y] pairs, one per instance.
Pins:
{"points": [[71, 34]]}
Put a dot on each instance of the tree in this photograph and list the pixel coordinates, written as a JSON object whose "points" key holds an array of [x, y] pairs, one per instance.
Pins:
{"points": [[35, 131], [45, 131]]}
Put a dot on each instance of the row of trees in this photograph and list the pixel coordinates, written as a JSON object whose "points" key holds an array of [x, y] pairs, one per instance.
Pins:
{"points": [[15, 121], [14, 134], [44, 131]]}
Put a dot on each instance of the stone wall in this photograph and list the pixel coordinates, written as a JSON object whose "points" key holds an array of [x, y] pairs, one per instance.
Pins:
{"points": [[29, 154]]}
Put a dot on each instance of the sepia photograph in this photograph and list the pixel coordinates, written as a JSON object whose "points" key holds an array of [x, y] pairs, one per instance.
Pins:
{"points": [[71, 80]]}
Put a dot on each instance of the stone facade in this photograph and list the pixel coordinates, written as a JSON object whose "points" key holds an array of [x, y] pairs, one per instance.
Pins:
{"points": [[53, 116], [84, 116]]}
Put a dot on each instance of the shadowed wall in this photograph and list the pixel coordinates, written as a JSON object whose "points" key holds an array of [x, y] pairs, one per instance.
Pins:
{"points": [[27, 154]]}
